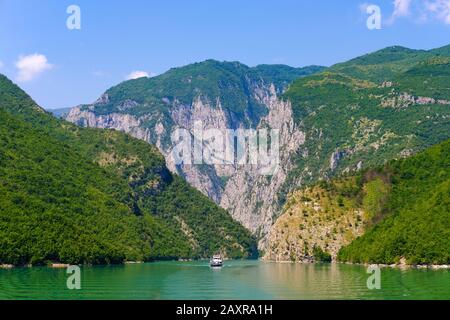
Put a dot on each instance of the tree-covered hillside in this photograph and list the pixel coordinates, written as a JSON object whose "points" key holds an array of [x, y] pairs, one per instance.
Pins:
{"points": [[413, 221], [97, 196], [397, 213], [357, 115], [383, 64], [362, 113], [211, 81]]}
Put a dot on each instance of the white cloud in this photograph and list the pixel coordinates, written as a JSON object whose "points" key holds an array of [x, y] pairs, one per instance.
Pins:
{"points": [[363, 7], [420, 10], [438, 9], [1, 64], [31, 66], [401, 8], [137, 74]]}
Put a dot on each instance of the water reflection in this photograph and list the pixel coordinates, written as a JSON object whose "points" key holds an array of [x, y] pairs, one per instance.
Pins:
{"points": [[235, 280]]}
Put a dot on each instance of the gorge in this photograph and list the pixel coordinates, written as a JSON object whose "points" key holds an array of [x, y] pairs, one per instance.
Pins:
{"points": [[349, 117]]}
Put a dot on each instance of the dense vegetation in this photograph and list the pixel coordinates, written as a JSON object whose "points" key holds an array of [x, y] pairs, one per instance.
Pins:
{"points": [[384, 64], [365, 112], [396, 213], [429, 78], [358, 115], [412, 219], [282, 75], [320, 255], [211, 81], [97, 196]]}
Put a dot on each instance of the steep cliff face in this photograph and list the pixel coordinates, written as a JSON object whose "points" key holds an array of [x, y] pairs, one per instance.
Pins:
{"points": [[252, 198], [249, 195], [117, 121]]}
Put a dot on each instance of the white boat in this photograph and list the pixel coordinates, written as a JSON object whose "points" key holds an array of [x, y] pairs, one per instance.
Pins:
{"points": [[216, 261]]}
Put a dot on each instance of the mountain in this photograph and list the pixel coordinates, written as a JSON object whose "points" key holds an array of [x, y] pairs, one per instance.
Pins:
{"points": [[383, 64], [398, 213], [78, 195], [442, 51], [361, 114], [220, 95], [354, 115], [60, 112], [415, 217], [282, 76], [352, 122]]}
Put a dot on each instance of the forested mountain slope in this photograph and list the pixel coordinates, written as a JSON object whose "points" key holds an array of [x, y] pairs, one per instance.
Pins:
{"points": [[398, 213], [79, 195]]}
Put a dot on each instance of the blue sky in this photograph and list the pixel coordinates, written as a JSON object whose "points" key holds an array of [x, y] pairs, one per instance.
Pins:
{"points": [[59, 67]]}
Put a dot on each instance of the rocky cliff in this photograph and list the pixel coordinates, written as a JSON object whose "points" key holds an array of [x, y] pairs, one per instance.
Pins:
{"points": [[362, 113], [250, 197], [314, 217]]}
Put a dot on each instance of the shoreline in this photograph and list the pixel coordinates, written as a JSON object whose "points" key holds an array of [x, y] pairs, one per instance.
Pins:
{"points": [[59, 265], [402, 266], [381, 265]]}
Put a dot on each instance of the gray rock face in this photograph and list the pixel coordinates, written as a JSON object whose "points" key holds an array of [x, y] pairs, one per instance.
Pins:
{"points": [[117, 121], [335, 158], [405, 100], [252, 198], [249, 196]]}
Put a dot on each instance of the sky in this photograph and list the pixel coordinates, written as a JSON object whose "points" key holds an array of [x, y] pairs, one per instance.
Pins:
{"points": [[118, 40]]}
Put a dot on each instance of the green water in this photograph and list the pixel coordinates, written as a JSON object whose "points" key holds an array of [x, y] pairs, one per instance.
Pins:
{"points": [[236, 280]]}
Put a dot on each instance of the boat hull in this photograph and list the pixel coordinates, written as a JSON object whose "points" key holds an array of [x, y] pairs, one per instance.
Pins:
{"points": [[216, 264]]}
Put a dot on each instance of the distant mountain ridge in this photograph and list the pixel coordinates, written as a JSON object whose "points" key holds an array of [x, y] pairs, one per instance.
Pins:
{"points": [[59, 112]]}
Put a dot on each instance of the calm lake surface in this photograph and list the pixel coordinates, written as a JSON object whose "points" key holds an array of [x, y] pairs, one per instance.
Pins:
{"points": [[236, 280]]}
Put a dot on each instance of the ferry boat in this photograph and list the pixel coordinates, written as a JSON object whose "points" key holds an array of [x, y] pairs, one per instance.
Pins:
{"points": [[216, 261]]}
